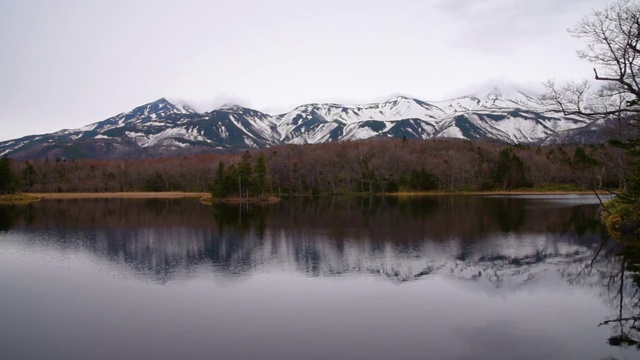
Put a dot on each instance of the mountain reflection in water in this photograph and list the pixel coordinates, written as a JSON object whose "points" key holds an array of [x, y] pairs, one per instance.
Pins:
{"points": [[499, 243], [495, 239]]}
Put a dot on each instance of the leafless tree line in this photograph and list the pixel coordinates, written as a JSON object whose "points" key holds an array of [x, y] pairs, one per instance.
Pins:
{"points": [[373, 166]]}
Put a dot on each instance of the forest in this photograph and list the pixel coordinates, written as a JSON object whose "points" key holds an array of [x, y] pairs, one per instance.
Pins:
{"points": [[381, 165]]}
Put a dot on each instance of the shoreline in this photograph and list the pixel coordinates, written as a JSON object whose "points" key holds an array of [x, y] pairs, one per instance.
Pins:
{"points": [[209, 200], [501, 192], [206, 197], [119, 195]]}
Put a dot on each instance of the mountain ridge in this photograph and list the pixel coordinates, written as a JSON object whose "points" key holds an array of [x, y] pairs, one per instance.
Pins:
{"points": [[162, 128]]}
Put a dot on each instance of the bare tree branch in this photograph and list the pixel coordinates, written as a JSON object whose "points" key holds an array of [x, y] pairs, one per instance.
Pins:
{"points": [[613, 36]]}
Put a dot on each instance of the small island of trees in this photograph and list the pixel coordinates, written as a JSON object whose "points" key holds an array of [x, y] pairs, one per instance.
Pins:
{"points": [[243, 181]]}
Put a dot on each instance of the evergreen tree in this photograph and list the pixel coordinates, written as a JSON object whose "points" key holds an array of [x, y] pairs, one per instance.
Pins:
{"points": [[156, 183], [261, 180], [6, 176], [244, 175], [583, 166], [218, 188], [29, 176], [509, 171]]}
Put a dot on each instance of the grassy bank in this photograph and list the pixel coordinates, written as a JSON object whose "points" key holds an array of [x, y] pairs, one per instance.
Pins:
{"points": [[238, 200], [498, 192], [207, 199], [18, 198], [121, 195]]}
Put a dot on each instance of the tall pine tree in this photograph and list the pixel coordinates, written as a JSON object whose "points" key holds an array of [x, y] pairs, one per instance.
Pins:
{"points": [[6, 176]]}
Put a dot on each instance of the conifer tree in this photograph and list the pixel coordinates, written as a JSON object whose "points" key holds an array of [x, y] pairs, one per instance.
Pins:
{"points": [[244, 175], [261, 181], [509, 172], [29, 176], [6, 176]]}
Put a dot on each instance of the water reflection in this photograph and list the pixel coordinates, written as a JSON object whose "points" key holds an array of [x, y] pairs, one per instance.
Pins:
{"points": [[615, 271], [501, 243], [493, 239]]}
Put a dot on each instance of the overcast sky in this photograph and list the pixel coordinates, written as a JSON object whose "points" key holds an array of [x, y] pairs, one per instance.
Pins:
{"points": [[65, 64]]}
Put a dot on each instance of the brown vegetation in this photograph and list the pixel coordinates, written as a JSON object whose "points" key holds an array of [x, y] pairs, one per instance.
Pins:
{"points": [[15, 199], [120, 195], [383, 165]]}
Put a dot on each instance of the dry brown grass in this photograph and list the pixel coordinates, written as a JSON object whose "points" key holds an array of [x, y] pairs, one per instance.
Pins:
{"points": [[121, 195], [238, 200], [496, 192], [17, 199]]}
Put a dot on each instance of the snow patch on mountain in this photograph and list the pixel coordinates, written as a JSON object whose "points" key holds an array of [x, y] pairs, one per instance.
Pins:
{"points": [[451, 132], [491, 100], [170, 135]]}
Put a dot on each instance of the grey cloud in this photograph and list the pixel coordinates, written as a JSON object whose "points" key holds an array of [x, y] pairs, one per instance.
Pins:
{"points": [[504, 25]]}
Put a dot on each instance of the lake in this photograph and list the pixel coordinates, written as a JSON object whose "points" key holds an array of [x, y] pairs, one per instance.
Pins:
{"points": [[441, 277]]}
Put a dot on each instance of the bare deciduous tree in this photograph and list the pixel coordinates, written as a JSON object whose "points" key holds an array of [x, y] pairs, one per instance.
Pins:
{"points": [[613, 36]]}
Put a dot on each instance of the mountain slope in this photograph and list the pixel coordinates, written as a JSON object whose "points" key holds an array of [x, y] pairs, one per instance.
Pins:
{"points": [[161, 128]]}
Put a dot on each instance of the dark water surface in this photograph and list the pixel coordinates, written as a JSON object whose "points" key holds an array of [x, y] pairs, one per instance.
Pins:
{"points": [[528, 277]]}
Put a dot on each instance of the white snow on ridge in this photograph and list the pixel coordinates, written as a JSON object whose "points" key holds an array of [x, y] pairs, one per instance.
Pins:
{"points": [[139, 138], [517, 130], [173, 143], [223, 131], [435, 114], [451, 132], [88, 127], [239, 125], [359, 133], [250, 142], [173, 133], [262, 125], [155, 123], [491, 100], [458, 105], [395, 109], [318, 134]]}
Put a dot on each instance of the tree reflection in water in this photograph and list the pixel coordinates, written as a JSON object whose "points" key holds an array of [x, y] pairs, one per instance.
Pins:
{"points": [[619, 273], [497, 241], [615, 269]]}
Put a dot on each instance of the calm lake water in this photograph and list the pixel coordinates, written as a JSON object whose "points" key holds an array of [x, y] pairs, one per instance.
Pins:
{"points": [[462, 277]]}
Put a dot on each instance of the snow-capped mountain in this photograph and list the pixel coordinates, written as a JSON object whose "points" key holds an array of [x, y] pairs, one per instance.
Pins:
{"points": [[520, 118], [161, 128]]}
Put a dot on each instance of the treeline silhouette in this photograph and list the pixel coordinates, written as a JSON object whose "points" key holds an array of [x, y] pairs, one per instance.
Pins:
{"points": [[373, 166]]}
